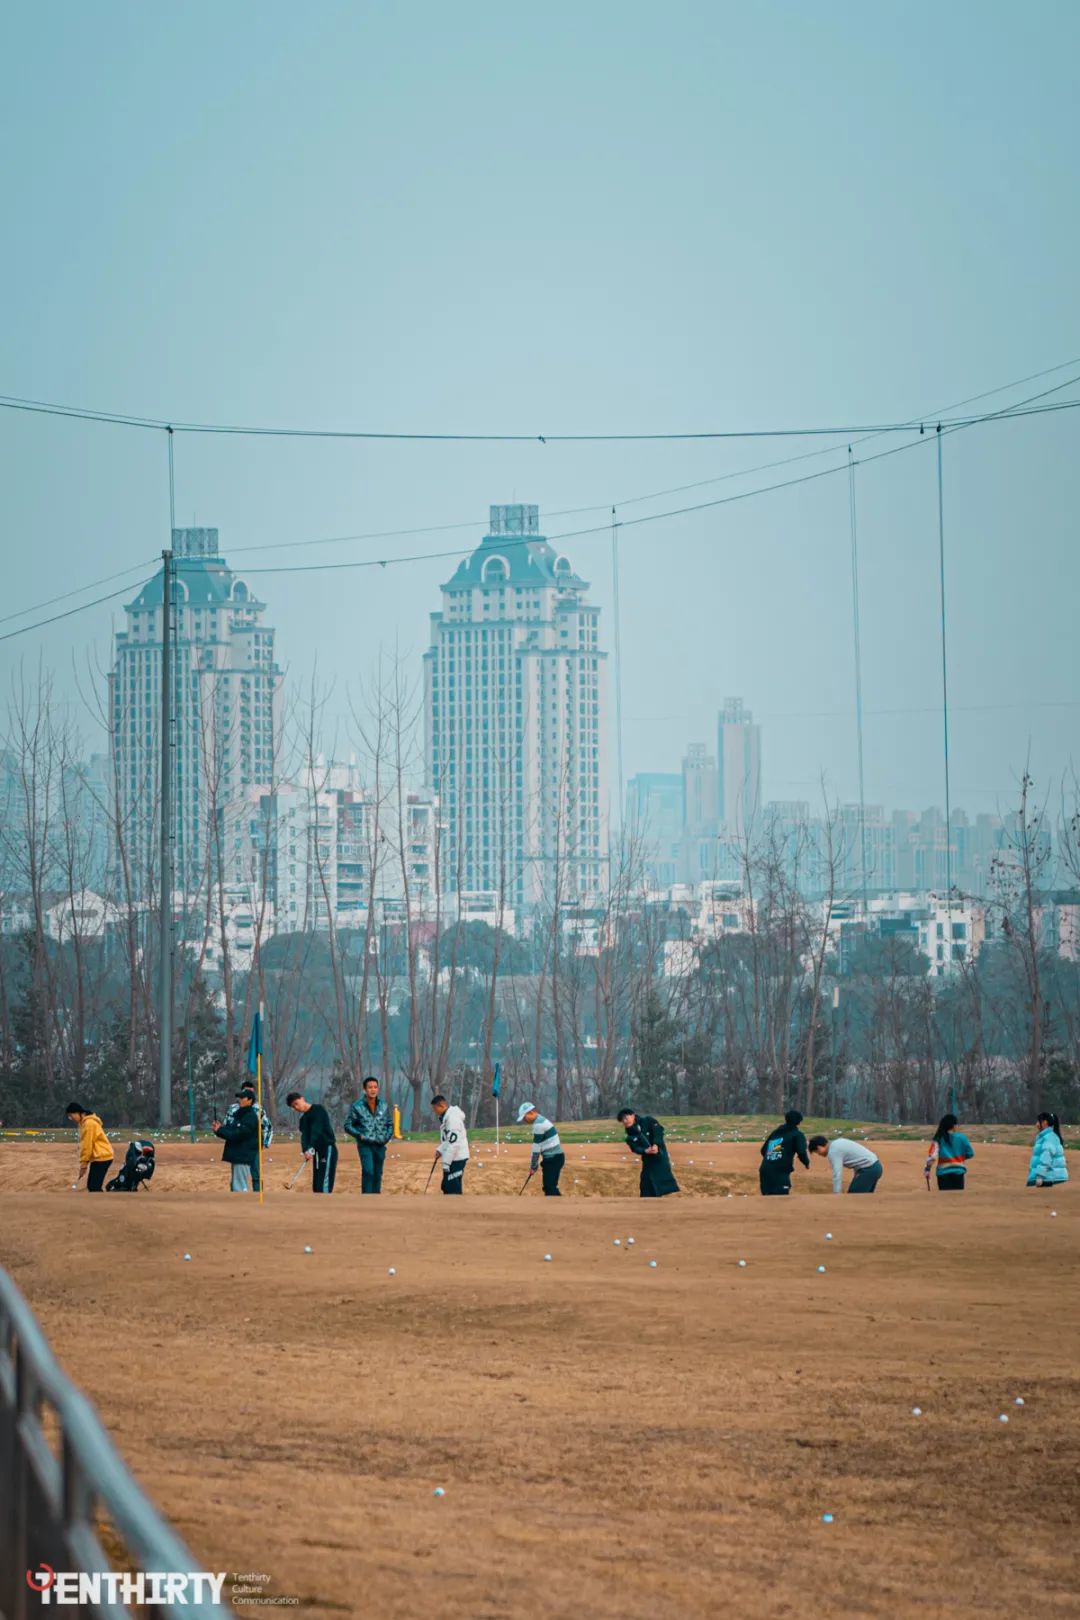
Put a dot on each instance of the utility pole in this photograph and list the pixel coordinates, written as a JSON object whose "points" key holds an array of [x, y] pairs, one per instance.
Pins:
{"points": [[165, 1006], [835, 1041]]}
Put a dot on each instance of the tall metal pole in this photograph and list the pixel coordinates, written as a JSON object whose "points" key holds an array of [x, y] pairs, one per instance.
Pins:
{"points": [[858, 685], [944, 673], [618, 658], [165, 948]]}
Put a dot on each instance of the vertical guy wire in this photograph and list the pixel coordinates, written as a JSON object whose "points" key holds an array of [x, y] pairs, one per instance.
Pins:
{"points": [[618, 659], [944, 670], [858, 677]]}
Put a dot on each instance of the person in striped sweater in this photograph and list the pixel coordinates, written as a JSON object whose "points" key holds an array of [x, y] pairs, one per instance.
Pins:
{"points": [[547, 1153]]}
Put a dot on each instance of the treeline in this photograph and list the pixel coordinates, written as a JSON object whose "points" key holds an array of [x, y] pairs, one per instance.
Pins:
{"points": [[592, 1008]]}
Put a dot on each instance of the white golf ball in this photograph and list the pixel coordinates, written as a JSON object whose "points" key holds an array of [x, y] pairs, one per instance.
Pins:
{"points": [[307, 1248], [652, 1263], [547, 1257], [629, 1240], [916, 1411], [391, 1272], [1019, 1401], [828, 1237], [826, 1518], [187, 1257], [821, 1268], [742, 1262], [1004, 1418], [1053, 1212], [74, 1186], [439, 1491]]}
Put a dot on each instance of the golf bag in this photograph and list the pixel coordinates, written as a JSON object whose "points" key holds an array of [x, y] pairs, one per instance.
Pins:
{"points": [[137, 1168]]}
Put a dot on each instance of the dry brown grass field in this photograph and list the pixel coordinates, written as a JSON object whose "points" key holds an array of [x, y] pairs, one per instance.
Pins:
{"points": [[613, 1440]]}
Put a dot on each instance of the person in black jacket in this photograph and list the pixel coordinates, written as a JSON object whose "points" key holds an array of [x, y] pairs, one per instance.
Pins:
{"points": [[778, 1154], [645, 1136], [241, 1138], [317, 1141]]}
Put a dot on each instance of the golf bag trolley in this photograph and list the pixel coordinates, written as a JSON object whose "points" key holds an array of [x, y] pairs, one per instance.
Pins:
{"points": [[136, 1170]]}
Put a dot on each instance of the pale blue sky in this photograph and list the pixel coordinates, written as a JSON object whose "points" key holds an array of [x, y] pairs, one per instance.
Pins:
{"points": [[608, 217]]}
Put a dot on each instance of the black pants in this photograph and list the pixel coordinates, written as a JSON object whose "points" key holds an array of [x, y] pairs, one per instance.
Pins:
{"points": [[324, 1169], [453, 1176], [775, 1183], [96, 1171], [551, 1166], [864, 1181], [951, 1183], [372, 1158]]}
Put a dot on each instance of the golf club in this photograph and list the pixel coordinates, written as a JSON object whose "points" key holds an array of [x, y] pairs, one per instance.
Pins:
{"points": [[294, 1179], [431, 1172], [525, 1183]]}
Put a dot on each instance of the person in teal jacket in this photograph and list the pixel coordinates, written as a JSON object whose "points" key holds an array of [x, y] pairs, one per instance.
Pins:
{"points": [[1048, 1167], [949, 1152]]}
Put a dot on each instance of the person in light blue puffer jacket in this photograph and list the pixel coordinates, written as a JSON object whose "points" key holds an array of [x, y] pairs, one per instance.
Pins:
{"points": [[1048, 1167]]}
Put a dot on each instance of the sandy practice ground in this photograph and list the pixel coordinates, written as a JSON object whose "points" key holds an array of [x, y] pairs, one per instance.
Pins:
{"points": [[613, 1440]]}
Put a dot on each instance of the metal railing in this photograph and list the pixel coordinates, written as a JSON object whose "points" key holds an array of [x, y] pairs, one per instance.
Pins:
{"points": [[51, 1505]]}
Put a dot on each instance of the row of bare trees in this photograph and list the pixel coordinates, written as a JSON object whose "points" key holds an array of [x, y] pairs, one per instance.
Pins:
{"points": [[587, 1002]]}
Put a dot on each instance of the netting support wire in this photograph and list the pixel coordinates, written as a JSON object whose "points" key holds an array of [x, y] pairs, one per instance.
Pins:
{"points": [[856, 633], [618, 661], [944, 670]]}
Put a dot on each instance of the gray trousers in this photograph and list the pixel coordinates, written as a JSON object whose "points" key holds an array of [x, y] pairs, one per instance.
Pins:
{"points": [[241, 1178], [864, 1181]]}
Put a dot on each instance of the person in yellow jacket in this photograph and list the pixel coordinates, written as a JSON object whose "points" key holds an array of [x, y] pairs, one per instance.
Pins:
{"points": [[95, 1151]]}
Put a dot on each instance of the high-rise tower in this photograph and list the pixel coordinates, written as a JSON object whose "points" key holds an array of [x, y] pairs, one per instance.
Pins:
{"points": [[514, 696], [225, 689]]}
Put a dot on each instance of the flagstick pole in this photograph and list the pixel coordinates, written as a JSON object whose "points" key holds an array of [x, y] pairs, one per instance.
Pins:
{"points": [[496, 1125], [258, 1089]]}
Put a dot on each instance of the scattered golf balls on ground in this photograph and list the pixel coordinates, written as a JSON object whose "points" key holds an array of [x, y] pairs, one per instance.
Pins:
{"points": [[187, 1257], [916, 1411], [307, 1248], [1019, 1401], [439, 1491], [821, 1268], [826, 1518], [629, 1240], [828, 1237], [1004, 1418], [652, 1263], [617, 1242], [391, 1272], [742, 1262], [547, 1257]]}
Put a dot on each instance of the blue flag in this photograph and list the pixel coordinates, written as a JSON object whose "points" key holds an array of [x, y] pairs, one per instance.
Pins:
{"points": [[255, 1044], [496, 1080]]}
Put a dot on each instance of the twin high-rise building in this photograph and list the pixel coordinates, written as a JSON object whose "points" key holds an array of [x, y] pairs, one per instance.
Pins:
{"points": [[515, 707], [516, 751], [225, 690]]}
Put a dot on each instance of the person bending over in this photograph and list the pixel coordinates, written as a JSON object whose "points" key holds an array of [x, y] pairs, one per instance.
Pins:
{"points": [[547, 1154], [95, 1150], [317, 1141], [844, 1154], [645, 1137]]}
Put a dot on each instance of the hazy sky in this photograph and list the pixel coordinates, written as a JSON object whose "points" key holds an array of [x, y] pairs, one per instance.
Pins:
{"points": [[571, 218]]}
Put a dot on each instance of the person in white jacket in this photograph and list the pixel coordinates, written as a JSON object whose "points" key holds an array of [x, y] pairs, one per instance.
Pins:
{"points": [[844, 1154], [453, 1148]]}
